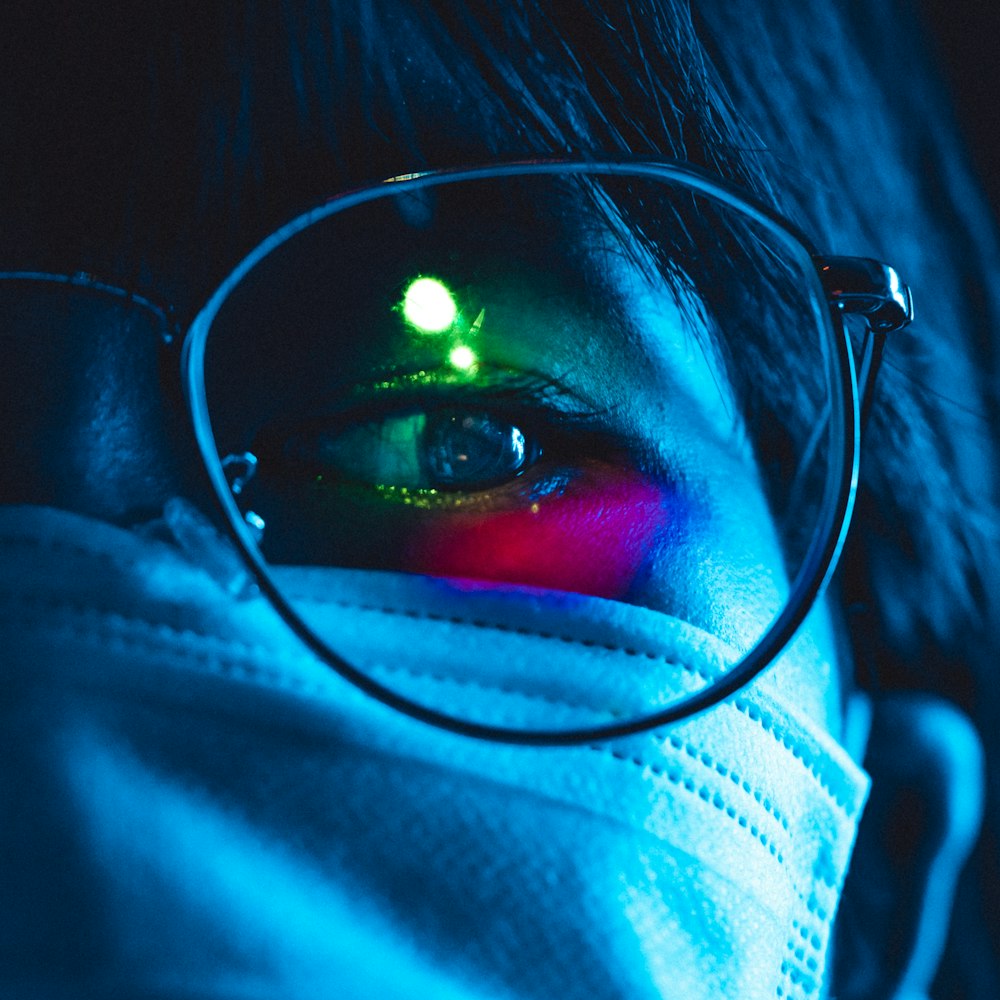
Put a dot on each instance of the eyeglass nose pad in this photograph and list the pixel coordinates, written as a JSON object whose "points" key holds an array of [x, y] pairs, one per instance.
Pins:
{"points": [[256, 524], [239, 470]]}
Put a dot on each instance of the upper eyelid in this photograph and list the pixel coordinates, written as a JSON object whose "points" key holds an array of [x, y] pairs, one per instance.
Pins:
{"points": [[569, 432], [540, 405], [515, 393]]}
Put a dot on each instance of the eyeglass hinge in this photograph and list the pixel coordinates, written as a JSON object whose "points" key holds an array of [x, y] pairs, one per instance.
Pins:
{"points": [[867, 287]]}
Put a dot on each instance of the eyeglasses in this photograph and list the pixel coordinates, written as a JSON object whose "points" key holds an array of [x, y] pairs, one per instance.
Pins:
{"points": [[623, 382]]}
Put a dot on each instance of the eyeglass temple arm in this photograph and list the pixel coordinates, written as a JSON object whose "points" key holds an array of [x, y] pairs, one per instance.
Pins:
{"points": [[866, 287]]}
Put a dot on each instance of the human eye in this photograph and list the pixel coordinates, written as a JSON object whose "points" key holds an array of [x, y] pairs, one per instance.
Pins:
{"points": [[421, 439], [457, 449], [512, 479]]}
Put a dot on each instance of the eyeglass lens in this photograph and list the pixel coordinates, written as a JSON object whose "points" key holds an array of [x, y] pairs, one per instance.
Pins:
{"points": [[610, 387]]}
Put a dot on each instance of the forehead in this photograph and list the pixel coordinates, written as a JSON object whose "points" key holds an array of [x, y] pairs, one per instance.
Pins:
{"points": [[200, 136]]}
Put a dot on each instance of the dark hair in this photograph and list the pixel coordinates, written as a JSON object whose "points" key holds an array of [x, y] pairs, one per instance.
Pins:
{"points": [[159, 142]]}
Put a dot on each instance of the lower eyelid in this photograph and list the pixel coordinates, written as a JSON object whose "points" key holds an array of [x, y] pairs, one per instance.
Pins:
{"points": [[540, 410], [544, 482]]}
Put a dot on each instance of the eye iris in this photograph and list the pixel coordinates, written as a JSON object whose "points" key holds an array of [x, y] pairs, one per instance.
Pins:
{"points": [[466, 450]]}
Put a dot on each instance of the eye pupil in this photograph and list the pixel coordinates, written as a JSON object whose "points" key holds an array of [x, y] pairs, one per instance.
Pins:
{"points": [[474, 450]]}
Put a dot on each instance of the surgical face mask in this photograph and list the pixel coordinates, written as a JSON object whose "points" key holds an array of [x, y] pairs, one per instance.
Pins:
{"points": [[199, 808]]}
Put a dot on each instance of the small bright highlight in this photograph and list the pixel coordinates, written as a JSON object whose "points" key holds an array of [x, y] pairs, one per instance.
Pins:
{"points": [[429, 306], [462, 357]]}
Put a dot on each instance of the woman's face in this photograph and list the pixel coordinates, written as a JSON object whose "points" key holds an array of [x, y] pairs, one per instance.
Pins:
{"points": [[506, 386]]}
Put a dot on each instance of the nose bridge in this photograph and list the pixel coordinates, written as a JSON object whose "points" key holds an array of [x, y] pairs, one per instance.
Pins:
{"points": [[85, 408]]}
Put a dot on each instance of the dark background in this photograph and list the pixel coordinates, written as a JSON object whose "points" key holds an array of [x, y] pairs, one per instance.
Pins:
{"points": [[966, 34], [966, 37]]}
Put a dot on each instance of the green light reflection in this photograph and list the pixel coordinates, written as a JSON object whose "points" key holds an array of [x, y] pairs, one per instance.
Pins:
{"points": [[429, 306]]}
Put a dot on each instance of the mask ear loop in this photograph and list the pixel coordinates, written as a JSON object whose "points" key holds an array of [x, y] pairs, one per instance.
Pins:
{"points": [[858, 712]]}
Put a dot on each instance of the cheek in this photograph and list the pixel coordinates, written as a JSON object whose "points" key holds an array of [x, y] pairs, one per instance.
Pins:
{"points": [[592, 539]]}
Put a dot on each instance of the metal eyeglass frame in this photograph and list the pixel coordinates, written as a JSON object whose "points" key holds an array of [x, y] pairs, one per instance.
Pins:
{"points": [[851, 285]]}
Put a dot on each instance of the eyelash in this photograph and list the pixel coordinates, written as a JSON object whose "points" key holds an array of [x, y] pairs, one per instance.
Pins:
{"points": [[523, 396], [564, 435]]}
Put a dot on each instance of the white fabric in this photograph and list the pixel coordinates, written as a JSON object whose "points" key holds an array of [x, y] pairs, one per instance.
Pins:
{"points": [[195, 807]]}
